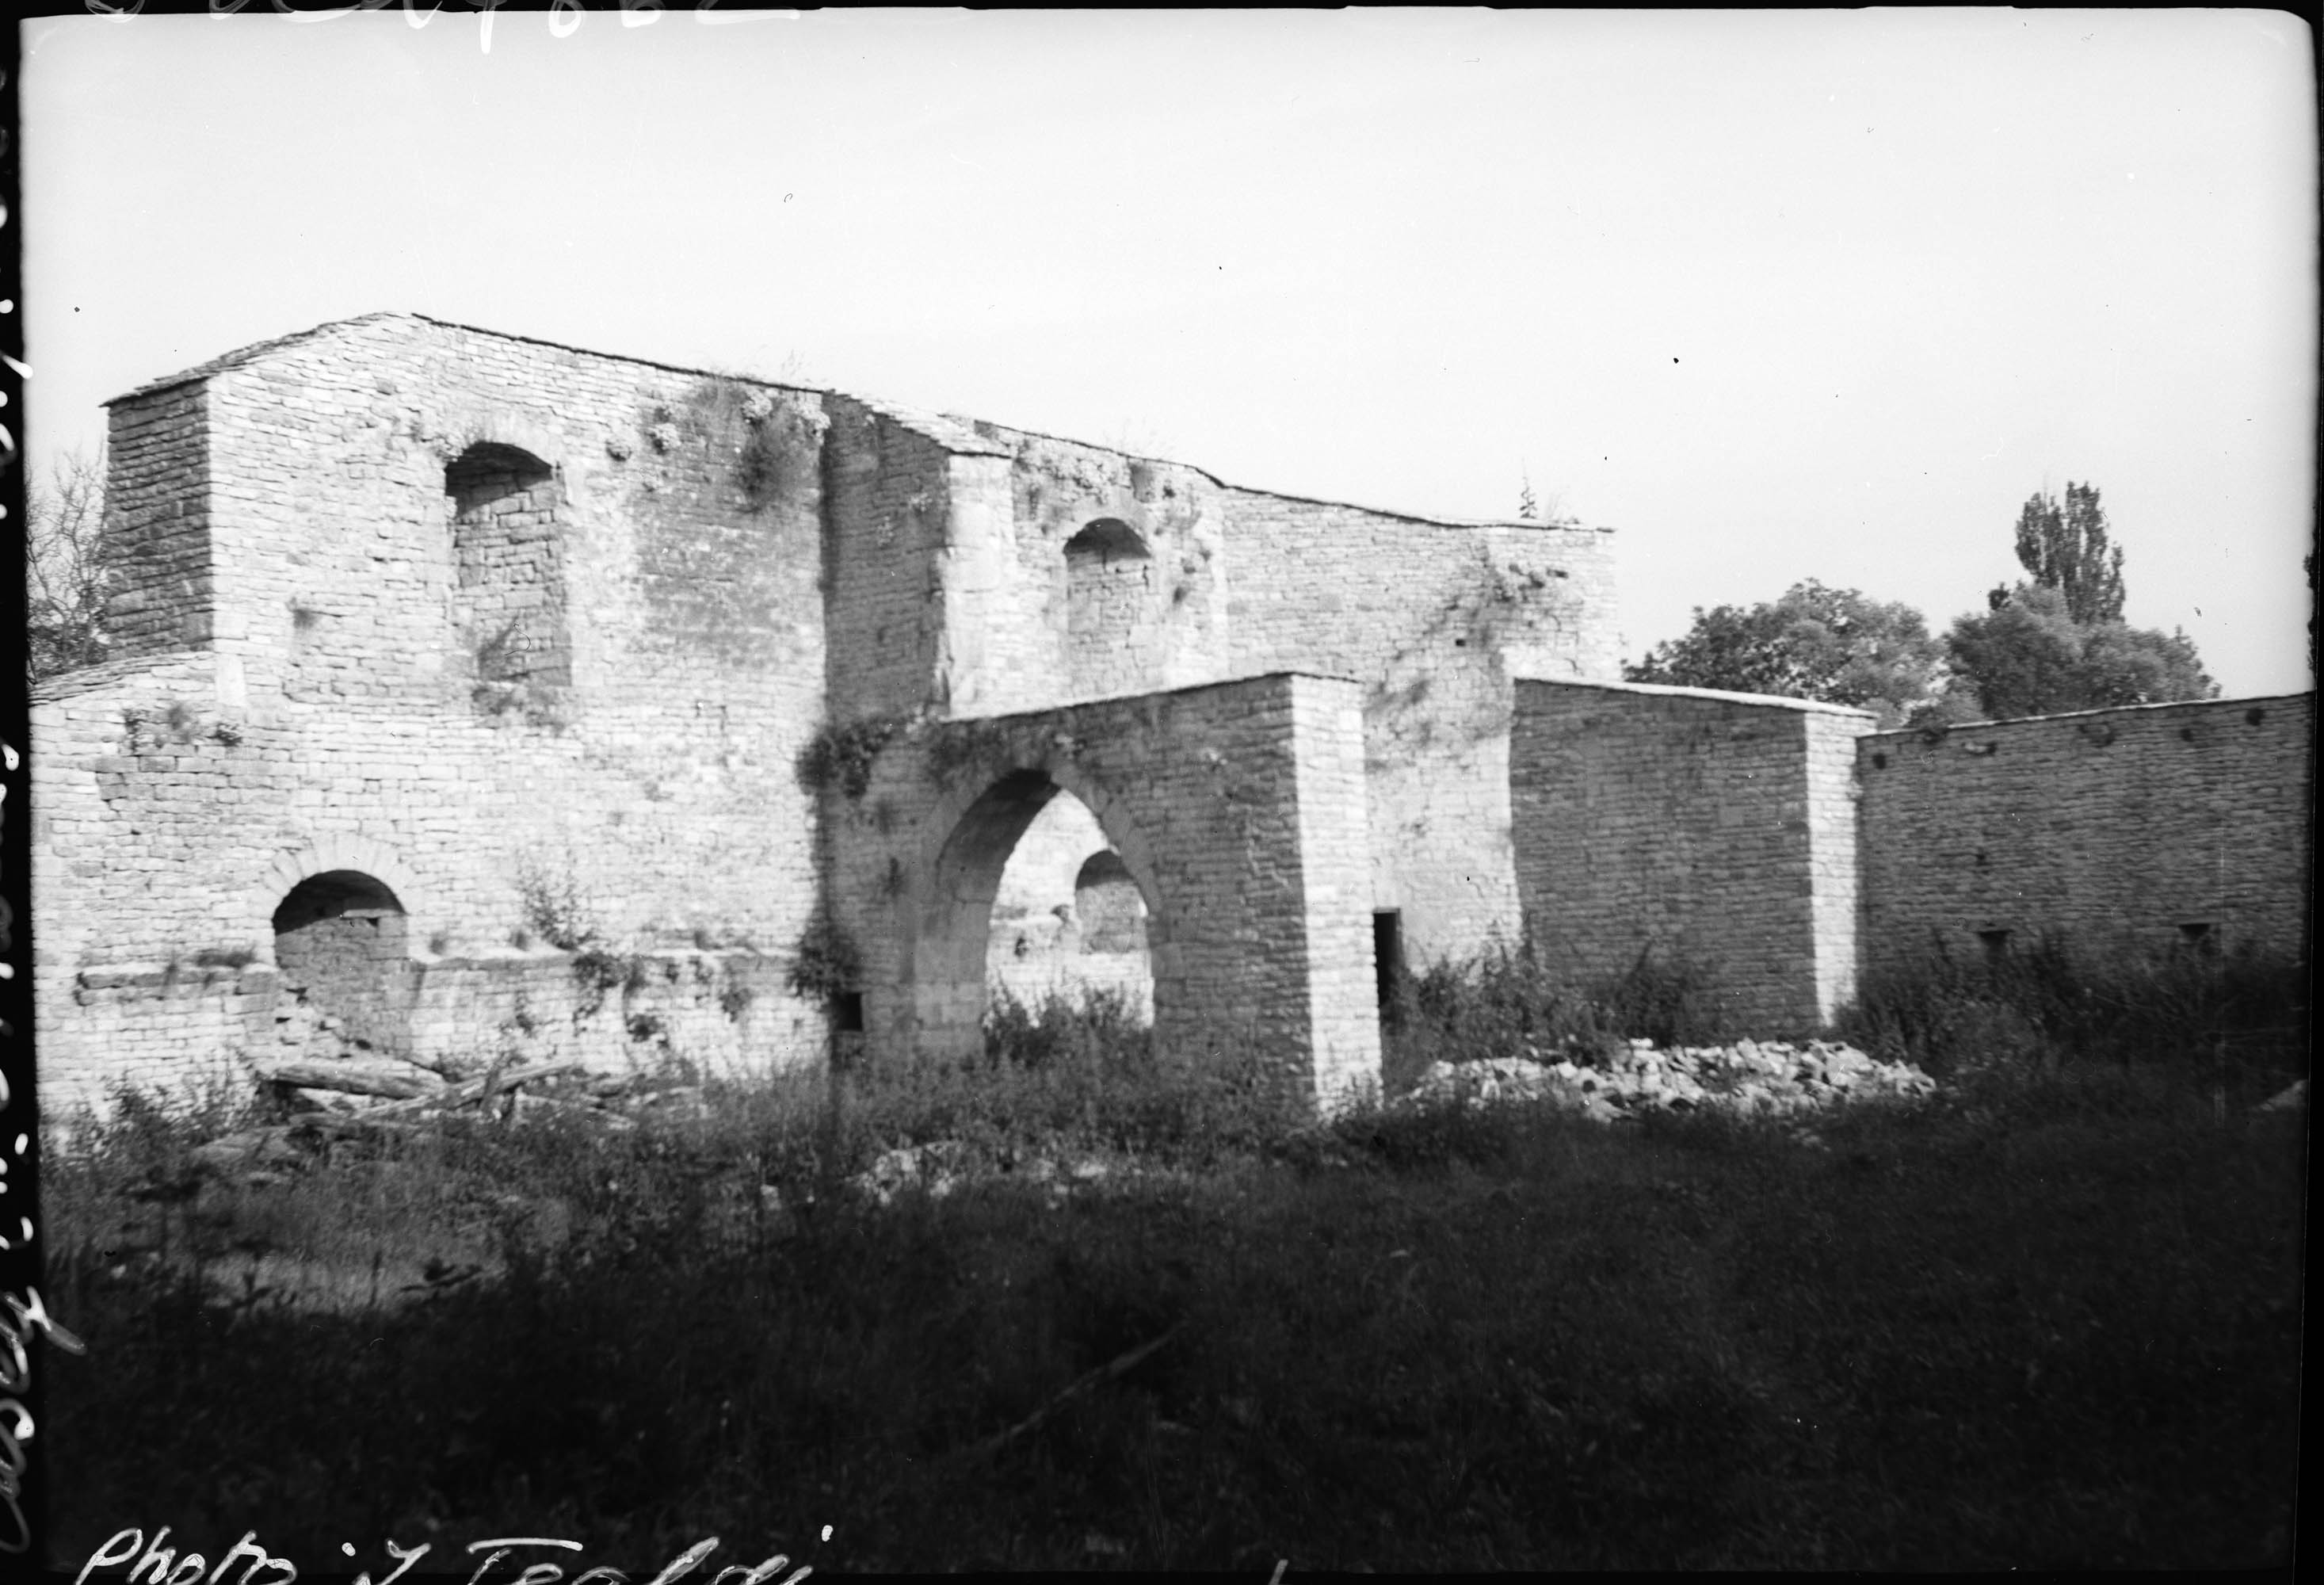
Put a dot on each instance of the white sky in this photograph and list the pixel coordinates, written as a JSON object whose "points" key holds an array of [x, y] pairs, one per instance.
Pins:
{"points": [[1777, 295]]}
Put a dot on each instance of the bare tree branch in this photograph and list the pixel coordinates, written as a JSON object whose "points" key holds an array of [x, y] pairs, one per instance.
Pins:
{"points": [[66, 567]]}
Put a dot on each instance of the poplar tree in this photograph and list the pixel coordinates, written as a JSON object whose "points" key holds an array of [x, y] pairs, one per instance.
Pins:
{"points": [[2066, 549]]}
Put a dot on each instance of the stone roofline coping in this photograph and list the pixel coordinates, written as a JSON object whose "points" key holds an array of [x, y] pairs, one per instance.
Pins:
{"points": [[1192, 687], [1721, 696], [164, 665], [1436, 521], [949, 431], [241, 357], [1534, 524], [2244, 700]]}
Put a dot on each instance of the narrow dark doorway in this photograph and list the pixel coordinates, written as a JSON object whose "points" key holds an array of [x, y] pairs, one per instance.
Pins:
{"points": [[1388, 965]]}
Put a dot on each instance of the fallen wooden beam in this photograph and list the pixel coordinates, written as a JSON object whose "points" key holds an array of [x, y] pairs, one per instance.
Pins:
{"points": [[348, 1079], [462, 1093], [533, 1104], [335, 1126]]}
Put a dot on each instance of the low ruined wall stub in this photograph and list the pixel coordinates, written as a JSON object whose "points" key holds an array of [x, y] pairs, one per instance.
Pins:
{"points": [[1236, 807], [1716, 829], [2108, 825], [176, 1031]]}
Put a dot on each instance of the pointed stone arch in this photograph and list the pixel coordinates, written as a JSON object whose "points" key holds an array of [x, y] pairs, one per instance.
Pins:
{"points": [[948, 923]]}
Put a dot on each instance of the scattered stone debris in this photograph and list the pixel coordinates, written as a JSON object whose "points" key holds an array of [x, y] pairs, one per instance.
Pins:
{"points": [[942, 1165], [1752, 1078], [377, 1100]]}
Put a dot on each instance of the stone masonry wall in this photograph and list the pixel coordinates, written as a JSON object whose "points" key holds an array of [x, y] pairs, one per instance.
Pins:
{"points": [[2128, 826], [969, 571], [513, 621], [1715, 829], [1237, 807], [888, 543], [1434, 619], [157, 522], [329, 697]]}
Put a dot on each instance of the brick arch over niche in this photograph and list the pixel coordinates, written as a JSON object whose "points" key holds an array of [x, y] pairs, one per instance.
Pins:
{"points": [[329, 855], [508, 524], [343, 956], [1112, 635], [948, 949]]}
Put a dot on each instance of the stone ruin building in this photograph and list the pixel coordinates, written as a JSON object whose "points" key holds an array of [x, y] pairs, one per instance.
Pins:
{"points": [[472, 693]]}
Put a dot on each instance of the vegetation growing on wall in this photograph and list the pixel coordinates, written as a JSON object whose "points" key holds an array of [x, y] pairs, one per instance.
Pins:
{"points": [[772, 443], [561, 914], [1499, 1002], [840, 756], [178, 722], [2213, 1016], [505, 686], [957, 748], [827, 961]]}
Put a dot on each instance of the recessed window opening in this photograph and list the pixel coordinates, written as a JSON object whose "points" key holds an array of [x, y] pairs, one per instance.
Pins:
{"points": [[1110, 618], [1111, 915], [508, 566], [1107, 542], [847, 1012]]}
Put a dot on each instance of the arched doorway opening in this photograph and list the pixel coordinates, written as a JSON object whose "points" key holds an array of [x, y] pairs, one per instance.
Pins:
{"points": [[1006, 880], [342, 948], [1067, 918]]}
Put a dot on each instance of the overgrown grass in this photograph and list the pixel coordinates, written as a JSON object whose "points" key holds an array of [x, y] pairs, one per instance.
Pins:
{"points": [[2235, 1019], [2050, 1319], [1498, 1003]]}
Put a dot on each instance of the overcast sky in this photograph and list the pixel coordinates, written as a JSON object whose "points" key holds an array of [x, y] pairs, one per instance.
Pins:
{"points": [[1776, 296]]}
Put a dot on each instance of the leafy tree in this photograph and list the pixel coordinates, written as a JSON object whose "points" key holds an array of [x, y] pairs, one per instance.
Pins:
{"points": [[1834, 645], [2066, 549], [66, 567], [2029, 656], [2058, 642]]}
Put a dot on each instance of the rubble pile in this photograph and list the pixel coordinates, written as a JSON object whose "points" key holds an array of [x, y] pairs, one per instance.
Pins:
{"points": [[1760, 1078], [352, 1100]]}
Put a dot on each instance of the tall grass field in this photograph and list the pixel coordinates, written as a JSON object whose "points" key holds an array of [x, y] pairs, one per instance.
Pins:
{"points": [[2048, 1318]]}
